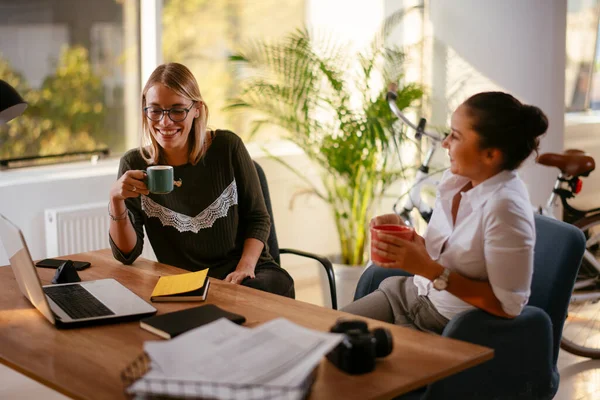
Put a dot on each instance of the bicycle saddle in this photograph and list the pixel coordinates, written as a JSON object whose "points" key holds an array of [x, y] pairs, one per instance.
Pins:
{"points": [[571, 162]]}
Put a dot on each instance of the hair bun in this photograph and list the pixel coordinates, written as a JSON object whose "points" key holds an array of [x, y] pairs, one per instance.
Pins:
{"points": [[534, 119]]}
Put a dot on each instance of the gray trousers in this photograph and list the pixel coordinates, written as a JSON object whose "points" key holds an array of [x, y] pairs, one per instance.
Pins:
{"points": [[397, 301]]}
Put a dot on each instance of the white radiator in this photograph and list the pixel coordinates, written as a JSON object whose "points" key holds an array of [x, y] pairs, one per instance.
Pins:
{"points": [[79, 228]]}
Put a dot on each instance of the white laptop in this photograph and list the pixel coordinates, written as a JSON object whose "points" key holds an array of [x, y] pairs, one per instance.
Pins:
{"points": [[69, 304]]}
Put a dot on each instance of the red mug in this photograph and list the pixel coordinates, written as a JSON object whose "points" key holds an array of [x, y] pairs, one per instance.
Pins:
{"points": [[401, 231]]}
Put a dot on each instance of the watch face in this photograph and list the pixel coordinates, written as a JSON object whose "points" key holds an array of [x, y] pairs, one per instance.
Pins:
{"points": [[440, 284]]}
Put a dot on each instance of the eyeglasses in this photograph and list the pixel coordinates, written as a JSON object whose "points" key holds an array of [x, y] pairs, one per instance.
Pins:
{"points": [[175, 114]]}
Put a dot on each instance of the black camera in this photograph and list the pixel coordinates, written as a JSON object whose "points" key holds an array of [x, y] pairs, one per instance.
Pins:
{"points": [[356, 353]]}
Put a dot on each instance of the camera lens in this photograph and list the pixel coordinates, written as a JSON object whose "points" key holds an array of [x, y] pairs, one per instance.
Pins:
{"points": [[384, 343]]}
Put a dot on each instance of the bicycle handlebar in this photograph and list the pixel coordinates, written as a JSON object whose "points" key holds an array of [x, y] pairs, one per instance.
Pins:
{"points": [[391, 97]]}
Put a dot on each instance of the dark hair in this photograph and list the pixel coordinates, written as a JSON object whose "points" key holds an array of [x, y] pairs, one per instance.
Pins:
{"points": [[505, 123]]}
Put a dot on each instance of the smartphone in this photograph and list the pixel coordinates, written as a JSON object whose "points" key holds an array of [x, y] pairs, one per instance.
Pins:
{"points": [[55, 263]]}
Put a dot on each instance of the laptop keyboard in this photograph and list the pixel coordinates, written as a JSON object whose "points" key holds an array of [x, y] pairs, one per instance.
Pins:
{"points": [[77, 302]]}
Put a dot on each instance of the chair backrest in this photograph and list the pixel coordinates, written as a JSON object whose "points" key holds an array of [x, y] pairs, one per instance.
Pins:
{"points": [[272, 241], [559, 248]]}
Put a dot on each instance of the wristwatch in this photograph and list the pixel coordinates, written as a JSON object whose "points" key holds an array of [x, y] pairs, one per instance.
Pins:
{"points": [[441, 282]]}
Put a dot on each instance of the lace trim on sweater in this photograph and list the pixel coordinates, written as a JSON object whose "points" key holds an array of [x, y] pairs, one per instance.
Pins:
{"points": [[185, 223]]}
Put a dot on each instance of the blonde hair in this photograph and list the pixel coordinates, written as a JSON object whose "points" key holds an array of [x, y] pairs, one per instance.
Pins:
{"points": [[179, 79]]}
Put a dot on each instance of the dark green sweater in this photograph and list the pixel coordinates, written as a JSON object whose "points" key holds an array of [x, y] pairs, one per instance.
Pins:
{"points": [[203, 223]]}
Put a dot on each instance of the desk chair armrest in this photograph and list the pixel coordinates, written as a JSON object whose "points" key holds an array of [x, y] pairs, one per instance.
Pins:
{"points": [[523, 356], [324, 261]]}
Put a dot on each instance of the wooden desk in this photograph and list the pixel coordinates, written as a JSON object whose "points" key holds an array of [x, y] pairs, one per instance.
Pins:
{"points": [[86, 362]]}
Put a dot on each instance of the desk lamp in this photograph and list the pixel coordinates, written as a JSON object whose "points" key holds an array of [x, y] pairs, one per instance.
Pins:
{"points": [[11, 103]]}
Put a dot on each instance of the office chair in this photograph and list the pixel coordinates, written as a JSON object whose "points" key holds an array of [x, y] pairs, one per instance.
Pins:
{"points": [[526, 347], [274, 249]]}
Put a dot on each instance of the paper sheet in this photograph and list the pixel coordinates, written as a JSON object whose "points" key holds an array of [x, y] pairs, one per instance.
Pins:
{"points": [[225, 360]]}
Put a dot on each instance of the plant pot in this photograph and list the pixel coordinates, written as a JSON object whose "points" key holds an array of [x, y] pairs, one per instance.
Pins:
{"points": [[346, 278]]}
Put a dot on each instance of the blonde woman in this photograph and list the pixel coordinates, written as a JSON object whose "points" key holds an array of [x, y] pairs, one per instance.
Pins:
{"points": [[217, 217]]}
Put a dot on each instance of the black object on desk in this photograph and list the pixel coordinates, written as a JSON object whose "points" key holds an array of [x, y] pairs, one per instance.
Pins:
{"points": [[66, 273], [356, 354], [175, 323], [55, 263]]}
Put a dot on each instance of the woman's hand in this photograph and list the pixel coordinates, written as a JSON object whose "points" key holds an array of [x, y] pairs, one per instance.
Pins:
{"points": [[406, 255], [386, 219], [242, 271], [130, 184]]}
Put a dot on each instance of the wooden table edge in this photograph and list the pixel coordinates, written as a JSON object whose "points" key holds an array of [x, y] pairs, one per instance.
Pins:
{"points": [[48, 384]]}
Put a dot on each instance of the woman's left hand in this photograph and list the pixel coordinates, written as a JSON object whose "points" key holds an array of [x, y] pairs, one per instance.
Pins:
{"points": [[242, 271], [406, 255]]}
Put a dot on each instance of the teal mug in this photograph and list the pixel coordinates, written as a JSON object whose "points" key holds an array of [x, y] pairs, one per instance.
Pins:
{"points": [[159, 179]]}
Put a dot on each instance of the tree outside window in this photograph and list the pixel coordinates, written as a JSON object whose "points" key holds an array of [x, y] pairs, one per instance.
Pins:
{"points": [[68, 60]]}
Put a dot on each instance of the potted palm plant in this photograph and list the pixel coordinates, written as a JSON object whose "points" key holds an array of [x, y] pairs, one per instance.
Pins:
{"points": [[331, 103]]}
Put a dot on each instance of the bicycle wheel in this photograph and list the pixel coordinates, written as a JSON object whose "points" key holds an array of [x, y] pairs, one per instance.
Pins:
{"points": [[581, 332]]}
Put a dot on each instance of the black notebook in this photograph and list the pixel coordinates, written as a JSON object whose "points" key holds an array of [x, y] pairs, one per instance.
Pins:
{"points": [[175, 323]]}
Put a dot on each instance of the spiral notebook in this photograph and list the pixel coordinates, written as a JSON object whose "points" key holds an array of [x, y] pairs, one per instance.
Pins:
{"points": [[275, 360]]}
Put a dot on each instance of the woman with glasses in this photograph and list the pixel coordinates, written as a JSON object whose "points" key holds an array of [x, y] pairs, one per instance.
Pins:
{"points": [[216, 218]]}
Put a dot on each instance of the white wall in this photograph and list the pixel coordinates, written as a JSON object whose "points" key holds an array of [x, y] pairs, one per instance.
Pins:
{"points": [[519, 46], [26, 193]]}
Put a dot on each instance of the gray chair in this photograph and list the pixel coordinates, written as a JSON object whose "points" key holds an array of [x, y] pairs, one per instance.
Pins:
{"points": [[525, 348], [273, 244]]}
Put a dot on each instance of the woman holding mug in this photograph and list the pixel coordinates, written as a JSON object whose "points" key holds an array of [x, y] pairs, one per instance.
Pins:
{"points": [[477, 250], [217, 217]]}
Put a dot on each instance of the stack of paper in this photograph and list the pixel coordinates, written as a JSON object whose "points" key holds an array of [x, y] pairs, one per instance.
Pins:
{"points": [[227, 361]]}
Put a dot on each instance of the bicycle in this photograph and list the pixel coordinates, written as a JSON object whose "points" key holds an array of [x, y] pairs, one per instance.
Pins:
{"points": [[581, 332], [573, 165], [423, 177]]}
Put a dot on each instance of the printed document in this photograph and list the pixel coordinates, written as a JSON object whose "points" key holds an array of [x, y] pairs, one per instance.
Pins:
{"points": [[227, 361]]}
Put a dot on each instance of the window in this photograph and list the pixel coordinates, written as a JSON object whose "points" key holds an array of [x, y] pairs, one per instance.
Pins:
{"points": [[595, 86], [201, 34], [582, 77], [77, 65]]}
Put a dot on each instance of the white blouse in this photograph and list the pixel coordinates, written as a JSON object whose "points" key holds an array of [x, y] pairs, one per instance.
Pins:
{"points": [[492, 240]]}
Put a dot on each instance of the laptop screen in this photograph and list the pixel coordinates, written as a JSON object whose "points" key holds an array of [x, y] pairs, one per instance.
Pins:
{"points": [[23, 267]]}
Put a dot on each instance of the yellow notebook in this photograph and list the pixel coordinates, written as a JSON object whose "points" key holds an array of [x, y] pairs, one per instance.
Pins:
{"points": [[192, 286]]}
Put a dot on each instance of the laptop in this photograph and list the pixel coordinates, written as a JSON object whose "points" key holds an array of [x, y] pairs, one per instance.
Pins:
{"points": [[69, 304]]}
